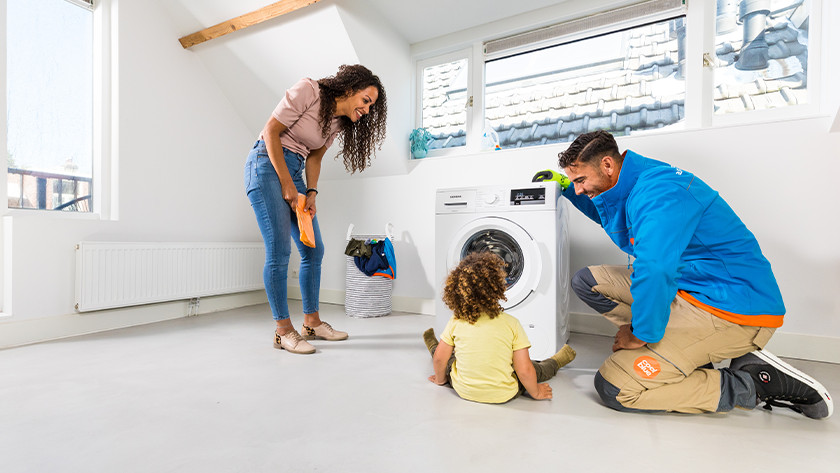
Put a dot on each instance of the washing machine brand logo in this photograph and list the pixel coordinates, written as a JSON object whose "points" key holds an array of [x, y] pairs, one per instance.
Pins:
{"points": [[454, 196]]}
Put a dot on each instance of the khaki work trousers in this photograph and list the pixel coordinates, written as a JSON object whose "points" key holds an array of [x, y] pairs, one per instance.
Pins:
{"points": [[666, 375]]}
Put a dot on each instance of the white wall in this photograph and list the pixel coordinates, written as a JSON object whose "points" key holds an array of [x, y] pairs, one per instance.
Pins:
{"points": [[778, 176], [179, 157], [187, 118]]}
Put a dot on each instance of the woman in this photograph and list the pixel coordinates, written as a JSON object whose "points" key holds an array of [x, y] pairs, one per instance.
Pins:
{"points": [[350, 104]]}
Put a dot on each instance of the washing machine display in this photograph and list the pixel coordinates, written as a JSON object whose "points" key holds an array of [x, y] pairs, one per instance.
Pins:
{"points": [[527, 196], [525, 226]]}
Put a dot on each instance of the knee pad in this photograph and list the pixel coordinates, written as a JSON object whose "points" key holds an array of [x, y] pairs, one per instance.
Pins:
{"points": [[608, 393], [582, 283]]}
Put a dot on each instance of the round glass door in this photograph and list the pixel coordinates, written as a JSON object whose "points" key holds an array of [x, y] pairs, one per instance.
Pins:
{"points": [[501, 244], [510, 242]]}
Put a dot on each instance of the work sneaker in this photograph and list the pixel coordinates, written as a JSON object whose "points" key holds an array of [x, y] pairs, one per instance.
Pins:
{"points": [[323, 332], [292, 342], [781, 385]]}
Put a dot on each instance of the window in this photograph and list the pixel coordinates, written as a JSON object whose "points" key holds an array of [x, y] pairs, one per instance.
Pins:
{"points": [[445, 97], [622, 82], [50, 104], [654, 64], [761, 50]]}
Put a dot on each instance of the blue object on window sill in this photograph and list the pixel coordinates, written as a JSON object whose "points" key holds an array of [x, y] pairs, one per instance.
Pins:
{"points": [[419, 139]]}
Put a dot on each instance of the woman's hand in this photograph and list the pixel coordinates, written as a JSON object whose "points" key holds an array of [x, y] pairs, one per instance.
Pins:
{"points": [[290, 194], [309, 206]]}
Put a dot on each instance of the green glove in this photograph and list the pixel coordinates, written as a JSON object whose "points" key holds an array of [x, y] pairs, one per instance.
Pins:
{"points": [[549, 175]]}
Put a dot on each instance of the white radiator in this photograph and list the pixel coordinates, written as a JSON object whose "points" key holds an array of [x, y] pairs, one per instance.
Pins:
{"points": [[112, 275]]}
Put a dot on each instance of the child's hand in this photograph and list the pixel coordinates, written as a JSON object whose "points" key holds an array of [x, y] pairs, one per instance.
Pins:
{"points": [[432, 379], [543, 391]]}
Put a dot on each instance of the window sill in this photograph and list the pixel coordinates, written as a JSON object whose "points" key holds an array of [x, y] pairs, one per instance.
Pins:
{"points": [[720, 122], [462, 152], [55, 214]]}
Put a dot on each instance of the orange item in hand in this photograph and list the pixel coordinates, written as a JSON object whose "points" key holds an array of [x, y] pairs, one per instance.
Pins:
{"points": [[307, 233]]}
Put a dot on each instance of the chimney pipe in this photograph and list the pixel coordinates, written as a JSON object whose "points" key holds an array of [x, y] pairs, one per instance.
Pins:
{"points": [[753, 14]]}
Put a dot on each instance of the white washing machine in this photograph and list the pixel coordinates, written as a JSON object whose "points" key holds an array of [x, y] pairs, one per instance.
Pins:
{"points": [[527, 226]]}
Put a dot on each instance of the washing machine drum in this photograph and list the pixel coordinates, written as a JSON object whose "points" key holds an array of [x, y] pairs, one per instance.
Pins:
{"points": [[501, 244], [510, 242]]}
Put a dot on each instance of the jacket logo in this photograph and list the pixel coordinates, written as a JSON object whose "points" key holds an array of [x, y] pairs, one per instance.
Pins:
{"points": [[679, 171]]}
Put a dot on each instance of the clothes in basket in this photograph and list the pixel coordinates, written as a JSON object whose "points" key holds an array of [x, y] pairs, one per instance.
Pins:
{"points": [[381, 261]]}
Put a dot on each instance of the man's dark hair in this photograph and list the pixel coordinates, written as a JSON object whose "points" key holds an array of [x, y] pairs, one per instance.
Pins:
{"points": [[588, 148]]}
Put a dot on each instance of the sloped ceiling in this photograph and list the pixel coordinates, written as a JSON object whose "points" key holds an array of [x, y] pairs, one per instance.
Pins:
{"points": [[415, 20], [254, 66]]}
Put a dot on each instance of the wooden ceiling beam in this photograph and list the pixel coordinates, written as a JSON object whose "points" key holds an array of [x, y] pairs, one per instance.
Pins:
{"points": [[241, 22]]}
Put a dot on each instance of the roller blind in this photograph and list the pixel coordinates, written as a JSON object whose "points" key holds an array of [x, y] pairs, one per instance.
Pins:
{"points": [[631, 15], [88, 4]]}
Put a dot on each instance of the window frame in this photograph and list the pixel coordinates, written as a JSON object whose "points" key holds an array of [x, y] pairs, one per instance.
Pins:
{"points": [[699, 98], [451, 56], [104, 65]]}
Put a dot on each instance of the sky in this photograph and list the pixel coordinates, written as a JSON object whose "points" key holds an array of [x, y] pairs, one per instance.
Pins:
{"points": [[49, 85]]}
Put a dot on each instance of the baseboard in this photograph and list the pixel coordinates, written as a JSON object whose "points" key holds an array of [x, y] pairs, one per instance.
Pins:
{"points": [[805, 347], [591, 324], [24, 332], [790, 345]]}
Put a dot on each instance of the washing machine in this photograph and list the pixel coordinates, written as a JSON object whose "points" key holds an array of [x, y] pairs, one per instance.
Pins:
{"points": [[527, 226]]}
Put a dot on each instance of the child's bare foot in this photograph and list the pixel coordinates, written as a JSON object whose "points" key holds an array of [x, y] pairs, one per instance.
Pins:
{"points": [[430, 340], [564, 356]]}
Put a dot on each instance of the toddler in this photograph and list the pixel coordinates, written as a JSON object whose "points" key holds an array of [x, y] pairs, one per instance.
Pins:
{"points": [[483, 352]]}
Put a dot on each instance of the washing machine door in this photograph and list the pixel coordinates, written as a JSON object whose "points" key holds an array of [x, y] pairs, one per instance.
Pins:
{"points": [[509, 241]]}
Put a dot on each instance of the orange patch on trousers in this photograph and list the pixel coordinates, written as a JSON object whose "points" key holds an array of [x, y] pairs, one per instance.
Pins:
{"points": [[646, 367]]}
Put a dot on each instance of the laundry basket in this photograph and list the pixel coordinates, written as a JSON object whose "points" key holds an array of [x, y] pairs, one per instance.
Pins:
{"points": [[366, 296]]}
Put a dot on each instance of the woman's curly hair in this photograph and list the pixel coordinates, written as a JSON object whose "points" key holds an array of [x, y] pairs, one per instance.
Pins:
{"points": [[360, 138], [476, 286]]}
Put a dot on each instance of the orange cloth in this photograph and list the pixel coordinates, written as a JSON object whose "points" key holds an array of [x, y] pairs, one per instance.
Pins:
{"points": [[307, 233]]}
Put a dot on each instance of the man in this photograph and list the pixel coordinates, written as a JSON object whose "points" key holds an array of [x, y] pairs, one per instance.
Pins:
{"points": [[698, 291]]}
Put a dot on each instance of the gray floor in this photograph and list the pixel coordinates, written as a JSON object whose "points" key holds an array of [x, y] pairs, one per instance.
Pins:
{"points": [[209, 393]]}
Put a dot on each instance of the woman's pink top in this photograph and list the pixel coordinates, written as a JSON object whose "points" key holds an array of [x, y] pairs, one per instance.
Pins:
{"points": [[300, 111]]}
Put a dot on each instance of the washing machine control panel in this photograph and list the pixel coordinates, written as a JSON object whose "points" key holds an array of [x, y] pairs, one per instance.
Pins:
{"points": [[521, 198], [530, 196], [491, 197]]}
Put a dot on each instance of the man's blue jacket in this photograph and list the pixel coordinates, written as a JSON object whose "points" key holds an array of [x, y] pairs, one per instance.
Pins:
{"points": [[686, 240]]}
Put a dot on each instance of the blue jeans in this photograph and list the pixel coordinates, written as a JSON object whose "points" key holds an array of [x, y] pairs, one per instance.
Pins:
{"points": [[278, 225]]}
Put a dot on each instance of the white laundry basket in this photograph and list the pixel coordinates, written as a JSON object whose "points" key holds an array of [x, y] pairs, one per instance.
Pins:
{"points": [[366, 296]]}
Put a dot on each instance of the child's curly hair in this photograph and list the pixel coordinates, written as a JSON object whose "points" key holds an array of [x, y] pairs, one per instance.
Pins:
{"points": [[475, 287]]}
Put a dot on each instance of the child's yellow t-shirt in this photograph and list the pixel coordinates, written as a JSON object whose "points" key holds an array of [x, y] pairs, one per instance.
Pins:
{"points": [[483, 368]]}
